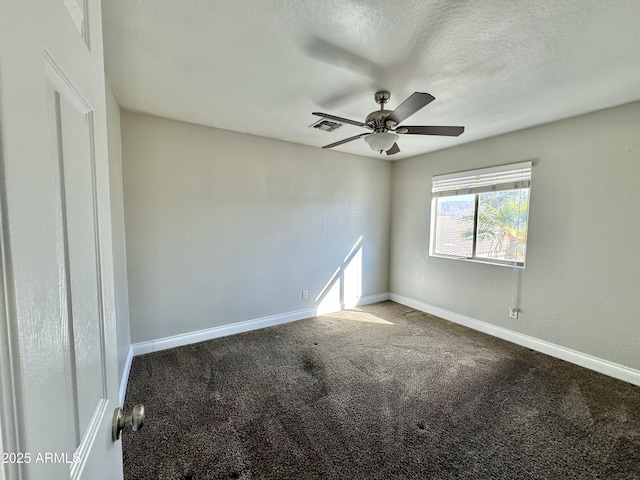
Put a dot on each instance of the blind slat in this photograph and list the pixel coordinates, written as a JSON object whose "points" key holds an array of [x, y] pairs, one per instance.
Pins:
{"points": [[503, 177]]}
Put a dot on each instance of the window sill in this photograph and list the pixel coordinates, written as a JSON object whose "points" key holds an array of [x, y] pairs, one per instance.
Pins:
{"points": [[499, 263]]}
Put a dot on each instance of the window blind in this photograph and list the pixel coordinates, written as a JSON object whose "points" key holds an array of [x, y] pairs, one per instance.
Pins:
{"points": [[503, 177]]}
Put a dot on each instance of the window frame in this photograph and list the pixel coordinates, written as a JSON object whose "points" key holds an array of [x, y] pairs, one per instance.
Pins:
{"points": [[481, 185]]}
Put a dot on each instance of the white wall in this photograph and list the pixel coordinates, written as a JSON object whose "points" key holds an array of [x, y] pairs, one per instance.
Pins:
{"points": [[224, 227], [118, 233], [580, 286]]}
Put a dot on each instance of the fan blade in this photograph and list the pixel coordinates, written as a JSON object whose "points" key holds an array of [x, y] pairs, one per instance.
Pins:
{"points": [[393, 150], [423, 130], [411, 105], [340, 119], [350, 139]]}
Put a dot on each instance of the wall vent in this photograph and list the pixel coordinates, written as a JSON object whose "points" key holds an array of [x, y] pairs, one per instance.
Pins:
{"points": [[326, 125]]}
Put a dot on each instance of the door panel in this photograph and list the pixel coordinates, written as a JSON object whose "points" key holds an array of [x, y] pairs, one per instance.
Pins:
{"points": [[77, 13], [57, 265], [73, 133]]}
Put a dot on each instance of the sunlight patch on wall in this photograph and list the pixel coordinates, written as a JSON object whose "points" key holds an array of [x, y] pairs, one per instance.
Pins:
{"points": [[353, 280], [344, 288], [331, 301]]}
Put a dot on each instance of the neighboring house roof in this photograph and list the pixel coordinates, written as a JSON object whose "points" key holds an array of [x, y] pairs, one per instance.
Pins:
{"points": [[449, 236], [450, 239]]}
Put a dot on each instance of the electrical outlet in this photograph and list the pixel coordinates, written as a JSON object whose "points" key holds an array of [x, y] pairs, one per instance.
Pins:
{"points": [[514, 312], [305, 294]]}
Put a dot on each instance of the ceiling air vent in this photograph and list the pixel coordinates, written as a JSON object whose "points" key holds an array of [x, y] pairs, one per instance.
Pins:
{"points": [[326, 125]]}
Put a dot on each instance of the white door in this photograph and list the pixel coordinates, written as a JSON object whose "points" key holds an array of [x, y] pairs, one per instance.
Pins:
{"points": [[58, 370]]}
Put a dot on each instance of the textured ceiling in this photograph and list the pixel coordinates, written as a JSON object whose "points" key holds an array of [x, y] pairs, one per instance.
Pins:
{"points": [[262, 66]]}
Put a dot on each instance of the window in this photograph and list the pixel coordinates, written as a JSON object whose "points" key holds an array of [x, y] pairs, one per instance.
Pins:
{"points": [[482, 214]]}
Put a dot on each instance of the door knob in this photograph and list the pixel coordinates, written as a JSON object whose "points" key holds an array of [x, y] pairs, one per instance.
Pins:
{"points": [[120, 420]]}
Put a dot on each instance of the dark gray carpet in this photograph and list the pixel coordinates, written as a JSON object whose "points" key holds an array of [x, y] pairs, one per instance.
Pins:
{"points": [[380, 393]]}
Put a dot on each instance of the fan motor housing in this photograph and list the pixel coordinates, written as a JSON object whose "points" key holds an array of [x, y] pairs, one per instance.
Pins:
{"points": [[378, 120]]}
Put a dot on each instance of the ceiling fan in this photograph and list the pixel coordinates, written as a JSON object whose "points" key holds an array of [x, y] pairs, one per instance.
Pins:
{"points": [[384, 123]]}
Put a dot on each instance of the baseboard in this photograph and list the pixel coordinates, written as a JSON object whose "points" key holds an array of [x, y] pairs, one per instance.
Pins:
{"points": [[231, 329], [584, 360], [124, 378]]}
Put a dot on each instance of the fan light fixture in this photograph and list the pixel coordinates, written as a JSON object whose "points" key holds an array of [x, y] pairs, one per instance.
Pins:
{"points": [[381, 141]]}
